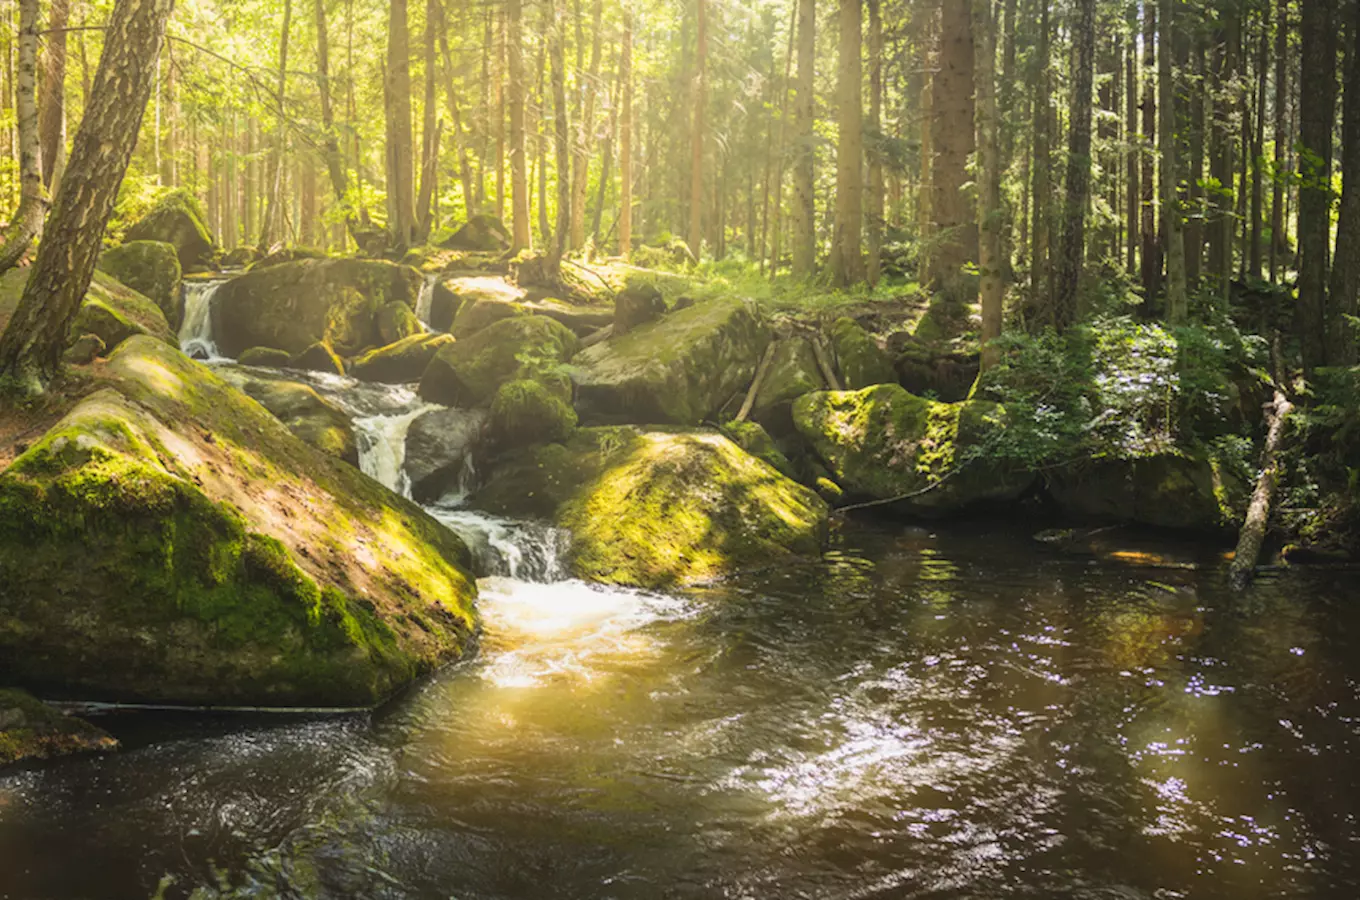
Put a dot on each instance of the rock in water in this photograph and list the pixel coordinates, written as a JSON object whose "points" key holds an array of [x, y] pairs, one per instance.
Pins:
{"points": [[265, 356], [439, 448], [882, 443], [178, 219], [468, 372], [1169, 490], [30, 729], [861, 361], [678, 370], [151, 268], [396, 320], [292, 305], [170, 541], [402, 362], [655, 509], [302, 409], [637, 305], [484, 233]]}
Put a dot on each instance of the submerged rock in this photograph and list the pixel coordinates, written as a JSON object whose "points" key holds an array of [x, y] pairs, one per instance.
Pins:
{"points": [[484, 233], [302, 409], [178, 219], [292, 305], [1169, 490], [402, 362], [150, 268], [170, 541], [677, 370], [882, 443], [439, 447], [468, 372], [861, 361], [31, 730], [653, 508]]}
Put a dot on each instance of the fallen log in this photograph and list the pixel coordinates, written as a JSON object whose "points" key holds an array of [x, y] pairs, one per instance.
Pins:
{"points": [[1253, 531], [824, 364], [761, 369]]}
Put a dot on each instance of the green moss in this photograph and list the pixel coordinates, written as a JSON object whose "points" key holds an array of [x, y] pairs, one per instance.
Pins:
{"points": [[319, 357], [178, 219], [110, 309], [265, 356], [30, 729], [397, 321], [150, 267], [401, 362], [468, 372], [526, 412], [756, 441], [861, 361]]}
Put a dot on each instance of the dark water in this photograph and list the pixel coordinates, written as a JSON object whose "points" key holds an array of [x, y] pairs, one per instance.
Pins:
{"points": [[961, 714]]}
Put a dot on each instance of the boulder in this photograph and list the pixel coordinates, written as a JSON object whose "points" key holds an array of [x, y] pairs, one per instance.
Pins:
{"points": [[150, 268], [637, 305], [170, 541], [656, 509], [526, 412], [582, 319], [934, 369], [32, 730], [792, 373], [396, 320], [678, 370], [292, 305], [84, 350], [444, 306], [1190, 491], [319, 357], [111, 310], [265, 356], [858, 357], [883, 443], [178, 219], [240, 257], [468, 372], [286, 255], [400, 363], [755, 440], [483, 299], [303, 410], [439, 448], [483, 233]]}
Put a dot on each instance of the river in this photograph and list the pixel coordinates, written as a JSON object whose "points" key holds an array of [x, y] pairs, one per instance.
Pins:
{"points": [[952, 712]]}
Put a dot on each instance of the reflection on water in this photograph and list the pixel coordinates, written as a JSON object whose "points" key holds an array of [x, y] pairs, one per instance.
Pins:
{"points": [[959, 714]]}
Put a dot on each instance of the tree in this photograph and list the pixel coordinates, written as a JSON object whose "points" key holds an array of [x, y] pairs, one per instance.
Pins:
{"points": [[696, 159], [626, 139], [847, 262], [401, 220], [273, 209], [1281, 134], [585, 128], [429, 132], [1173, 241], [989, 176], [28, 218], [1345, 283], [561, 140], [519, 180], [330, 142], [805, 152], [52, 99], [1067, 272], [31, 347], [874, 200], [1042, 173], [1317, 104], [955, 241]]}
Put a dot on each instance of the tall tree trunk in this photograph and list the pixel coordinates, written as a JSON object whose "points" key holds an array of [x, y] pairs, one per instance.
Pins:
{"points": [[1131, 154], [561, 140], [52, 98], [273, 211], [847, 260], [805, 151], [401, 221], [1281, 133], [429, 132], [585, 133], [460, 140], [1067, 272], [1193, 138], [1151, 274], [1042, 173], [626, 139], [519, 180], [1317, 105], [697, 137], [874, 211], [330, 142], [1345, 285], [31, 347], [27, 223], [989, 177], [1254, 259], [1221, 165], [1172, 241], [955, 238]]}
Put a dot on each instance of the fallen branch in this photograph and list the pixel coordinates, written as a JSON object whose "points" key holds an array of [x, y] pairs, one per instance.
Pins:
{"points": [[595, 337], [1253, 530], [824, 364], [761, 369]]}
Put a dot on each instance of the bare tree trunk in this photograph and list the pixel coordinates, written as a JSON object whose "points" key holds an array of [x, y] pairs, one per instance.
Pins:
{"points": [[805, 154], [273, 212], [626, 139], [585, 135], [697, 136], [330, 147], [52, 105], [874, 213], [989, 176], [1131, 130], [31, 347], [955, 240], [1172, 241], [429, 132], [1345, 283], [561, 137], [1151, 275], [1258, 150], [27, 223], [1067, 273], [1040, 268], [1317, 105], [1253, 532], [1277, 217], [847, 261], [401, 220]]}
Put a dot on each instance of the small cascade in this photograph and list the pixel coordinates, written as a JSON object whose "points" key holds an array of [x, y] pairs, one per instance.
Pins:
{"points": [[425, 300], [195, 332], [525, 551], [382, 447]]}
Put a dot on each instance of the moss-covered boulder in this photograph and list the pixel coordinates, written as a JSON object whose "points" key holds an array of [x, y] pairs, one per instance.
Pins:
{"points": [[84, 350], [292, 305], [178, 219], [477, 313], [402, 362], [240, 257], [150, 268], [265, 356], [32, 730], [882, 443], [319, 357], [444, 306], [171, 541], [303, 410], [581, 318], [482, 233], [658, 508], [439, 448], [792, 373], [861, 361], [755, 440], [1190, 491], [526, 411], [678, 370], [637, 304], [287, 255], [111, 310], [468, 372], [396, 320]]}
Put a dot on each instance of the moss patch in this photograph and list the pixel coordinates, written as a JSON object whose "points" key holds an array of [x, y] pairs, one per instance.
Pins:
{"points": [[30, 729], [527, 412], [402, 362], [151, 268], [468, 372], [861, 361], [178, 219]]}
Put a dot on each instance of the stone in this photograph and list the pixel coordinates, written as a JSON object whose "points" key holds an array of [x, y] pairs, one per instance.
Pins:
{"points": [[468, 372], [439, 449], [482, 233], [111, 310], [792, 373], [319, 357], [636, 305], [152, 269], [170, 541], [240, 257], [1188, 491], [396, 320], [177, 219], [84, 350], [287, 254], [402, 362], [859, 359], [31, 730], [265, 356], [526, 411], [302, 409], [755, 440]]}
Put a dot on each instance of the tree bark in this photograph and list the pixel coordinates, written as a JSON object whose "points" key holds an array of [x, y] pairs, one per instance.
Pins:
{"points": [[429, 132], [27, 223], [874, 200], [1042, 172], [1173, 242], [1345, 281], [626, 139], [1131, 162], [805, 152], [330, 142], [401, 220], [989, 176], [1067, 274], [273, 212], [955, 226], [561, 140], [697, 136], [847, 261], [585, 134], [31, 347], [1281, 134], [1151, 260], [519, 180], [52, 98], [1317, 105], [1253, 532]]}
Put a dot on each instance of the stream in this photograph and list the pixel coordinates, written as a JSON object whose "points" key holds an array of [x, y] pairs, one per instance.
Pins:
{"points": [[951, 712]]}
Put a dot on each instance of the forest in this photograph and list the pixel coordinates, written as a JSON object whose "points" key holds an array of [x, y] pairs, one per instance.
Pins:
{"points": [[696, 448]]}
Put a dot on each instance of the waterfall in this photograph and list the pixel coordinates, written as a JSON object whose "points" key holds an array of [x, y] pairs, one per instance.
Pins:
{"points": [[525, 551], [382, 447], [195, 332], [426, 299]]}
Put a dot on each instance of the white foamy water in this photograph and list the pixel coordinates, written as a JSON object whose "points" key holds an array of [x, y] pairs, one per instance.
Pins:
{"points": [[382, 447], [425, 300], [196, 331]]}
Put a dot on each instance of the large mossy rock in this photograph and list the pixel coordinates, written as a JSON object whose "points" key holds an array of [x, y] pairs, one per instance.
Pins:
{"points": [[468, 372], [151, 268], [882, 443], [32, 730], [171, 541], [678, 370], [862, 363], [302, 409], [402, 362], [793, 372], [287, 255], [1190, 491], [293, 305], [439, 448], [481, 233], [656, 509], [178, 219], [637, 305], [111, 310], [396, 320], [527, 411]]}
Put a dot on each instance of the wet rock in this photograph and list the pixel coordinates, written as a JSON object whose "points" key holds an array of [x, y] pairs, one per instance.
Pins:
{"points": [[152, 269], [32, 730], [293, 305], [882, 443], [396, 320], [265, 356], [1169, 490], [484, 233], [303, 410], [319, 357], [468, 372], [171, 541], [859, 359], [439, 451], [178, 219], [402, 362], [637, 305], [527, 411], [678, 370], [656, 509]]}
